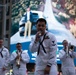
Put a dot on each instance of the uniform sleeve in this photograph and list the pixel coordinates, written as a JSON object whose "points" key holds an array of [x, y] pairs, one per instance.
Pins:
{"points": [[33, 45], [53, 49], [7, 55], [12, 57], [7, 58], [25, 57], [73, 54], [62, 55]]}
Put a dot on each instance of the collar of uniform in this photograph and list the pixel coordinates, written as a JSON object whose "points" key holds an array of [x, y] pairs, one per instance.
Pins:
{"points": [[20, 51]]}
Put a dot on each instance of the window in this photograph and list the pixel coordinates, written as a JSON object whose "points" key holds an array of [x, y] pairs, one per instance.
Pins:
{"points": [[1, 1], [8, 10], [1, 13], [7, 1], [0, 28], [7, 24]]}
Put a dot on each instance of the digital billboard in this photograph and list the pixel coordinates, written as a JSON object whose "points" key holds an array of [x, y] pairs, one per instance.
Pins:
{"points": [[59, 22]]}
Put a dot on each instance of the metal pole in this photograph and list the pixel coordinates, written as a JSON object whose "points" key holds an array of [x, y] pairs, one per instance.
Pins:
{"points": [[4, 23]]}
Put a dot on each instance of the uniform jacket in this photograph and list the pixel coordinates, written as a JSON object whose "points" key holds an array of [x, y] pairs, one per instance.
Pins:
{"points": [[5, 59], [25, 59], [50, 45], [67, 59]]}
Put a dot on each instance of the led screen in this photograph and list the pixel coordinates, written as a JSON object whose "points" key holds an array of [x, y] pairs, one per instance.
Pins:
{"points": [[59, 22]]}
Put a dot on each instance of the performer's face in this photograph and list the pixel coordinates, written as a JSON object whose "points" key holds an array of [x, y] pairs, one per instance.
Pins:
{"points": [[65, 43], [41, 26], [28, 9], [19, 47]]}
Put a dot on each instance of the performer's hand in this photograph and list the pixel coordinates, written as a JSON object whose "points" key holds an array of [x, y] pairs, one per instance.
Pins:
{"points": [[17, 57], [38, 34], [21, 59], [47, 70]]}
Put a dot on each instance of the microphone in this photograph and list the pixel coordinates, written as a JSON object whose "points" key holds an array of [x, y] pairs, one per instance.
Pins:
{"points": [[39, 36]]}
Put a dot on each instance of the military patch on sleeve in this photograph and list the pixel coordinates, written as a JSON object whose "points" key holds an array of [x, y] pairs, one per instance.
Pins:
{"points": [[47, 37], [53, 43]]}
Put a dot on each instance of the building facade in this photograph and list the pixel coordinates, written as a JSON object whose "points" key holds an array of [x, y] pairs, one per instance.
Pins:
{"points": [[5, 21]]}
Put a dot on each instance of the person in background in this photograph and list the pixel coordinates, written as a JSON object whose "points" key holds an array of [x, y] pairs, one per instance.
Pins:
{"points": [[19, 59], [28, 22], [67, 56], [45, 44], [4, 58]]}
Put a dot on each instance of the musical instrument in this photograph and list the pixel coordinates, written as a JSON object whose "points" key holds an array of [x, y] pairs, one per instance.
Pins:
{"points": [[69, 48], [18, 59]]}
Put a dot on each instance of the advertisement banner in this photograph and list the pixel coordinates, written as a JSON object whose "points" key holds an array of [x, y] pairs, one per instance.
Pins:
{"points": [[59, 22]]}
